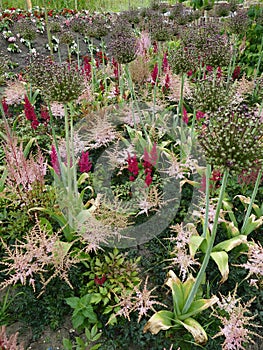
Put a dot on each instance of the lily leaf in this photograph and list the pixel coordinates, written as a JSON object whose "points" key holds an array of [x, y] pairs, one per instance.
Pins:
{"points": [[232, 229], [221, 259], [161, 320], [195, 243], [176, 286], [197, 306], [196, 330], [230, 244], [252, 224]]}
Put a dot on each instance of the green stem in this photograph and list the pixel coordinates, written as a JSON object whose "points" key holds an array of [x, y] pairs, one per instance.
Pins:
{"points": [[210, 245], [207, 192], [69, 180], [255, 190]]}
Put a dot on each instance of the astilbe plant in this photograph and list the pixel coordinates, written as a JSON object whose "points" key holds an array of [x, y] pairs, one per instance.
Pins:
{"points": [[233, 315], [254, 263], [40, 252], [23, 173], [137, 300], [232, 139], [181, 257], [9, 343], [14, 92]]}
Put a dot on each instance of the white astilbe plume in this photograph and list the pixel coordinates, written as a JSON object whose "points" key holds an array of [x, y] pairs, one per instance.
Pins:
{"points": [[40, 252], [57, 109], [200, 213], [181, 257], [140, 300], [235, 324]]}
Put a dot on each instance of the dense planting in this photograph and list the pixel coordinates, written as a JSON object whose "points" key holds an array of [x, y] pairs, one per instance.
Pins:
{"points": [[131, 176]]}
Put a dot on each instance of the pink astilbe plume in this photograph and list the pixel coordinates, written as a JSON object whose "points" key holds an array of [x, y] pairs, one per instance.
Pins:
{"points": [[180, 253], [144, 43], [9, 343], [40, 252], [235, 324], [140, 300], [254, 264], [22, 171]]}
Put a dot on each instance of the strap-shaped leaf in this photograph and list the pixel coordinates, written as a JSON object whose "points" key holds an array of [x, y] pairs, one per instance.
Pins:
{"points": [[221, 259], [196, 330], [160, 321]]}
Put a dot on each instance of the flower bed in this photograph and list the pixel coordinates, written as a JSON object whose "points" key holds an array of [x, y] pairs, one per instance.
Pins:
{"points": [[131, 177]]}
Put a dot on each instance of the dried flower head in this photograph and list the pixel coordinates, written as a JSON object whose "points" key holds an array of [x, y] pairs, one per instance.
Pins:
{"points": [[123, 44]]}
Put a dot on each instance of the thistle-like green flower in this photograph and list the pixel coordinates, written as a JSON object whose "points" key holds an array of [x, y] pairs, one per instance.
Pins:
{"points": [[232, 139]]}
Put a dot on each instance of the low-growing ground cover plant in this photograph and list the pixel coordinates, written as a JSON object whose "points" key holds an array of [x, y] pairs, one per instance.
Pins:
{"points": [[131, 177]]}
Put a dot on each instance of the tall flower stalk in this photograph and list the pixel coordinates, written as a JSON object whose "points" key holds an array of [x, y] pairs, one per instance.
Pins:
{"points": [[210, 244]]}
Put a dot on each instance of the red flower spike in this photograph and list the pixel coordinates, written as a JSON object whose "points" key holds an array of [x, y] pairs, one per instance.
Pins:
{"points": [[133, 167], [29, 110], [236, 73], [200, 115], [154, 74], [44, 114], [5, 107], [166, 83], [148, 179], [54, 160], [85, 164]]}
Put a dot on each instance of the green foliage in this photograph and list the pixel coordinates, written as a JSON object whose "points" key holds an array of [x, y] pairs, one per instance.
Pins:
{"points": [[83, 314], [92, 336], [108, 275], [36, 312]]}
